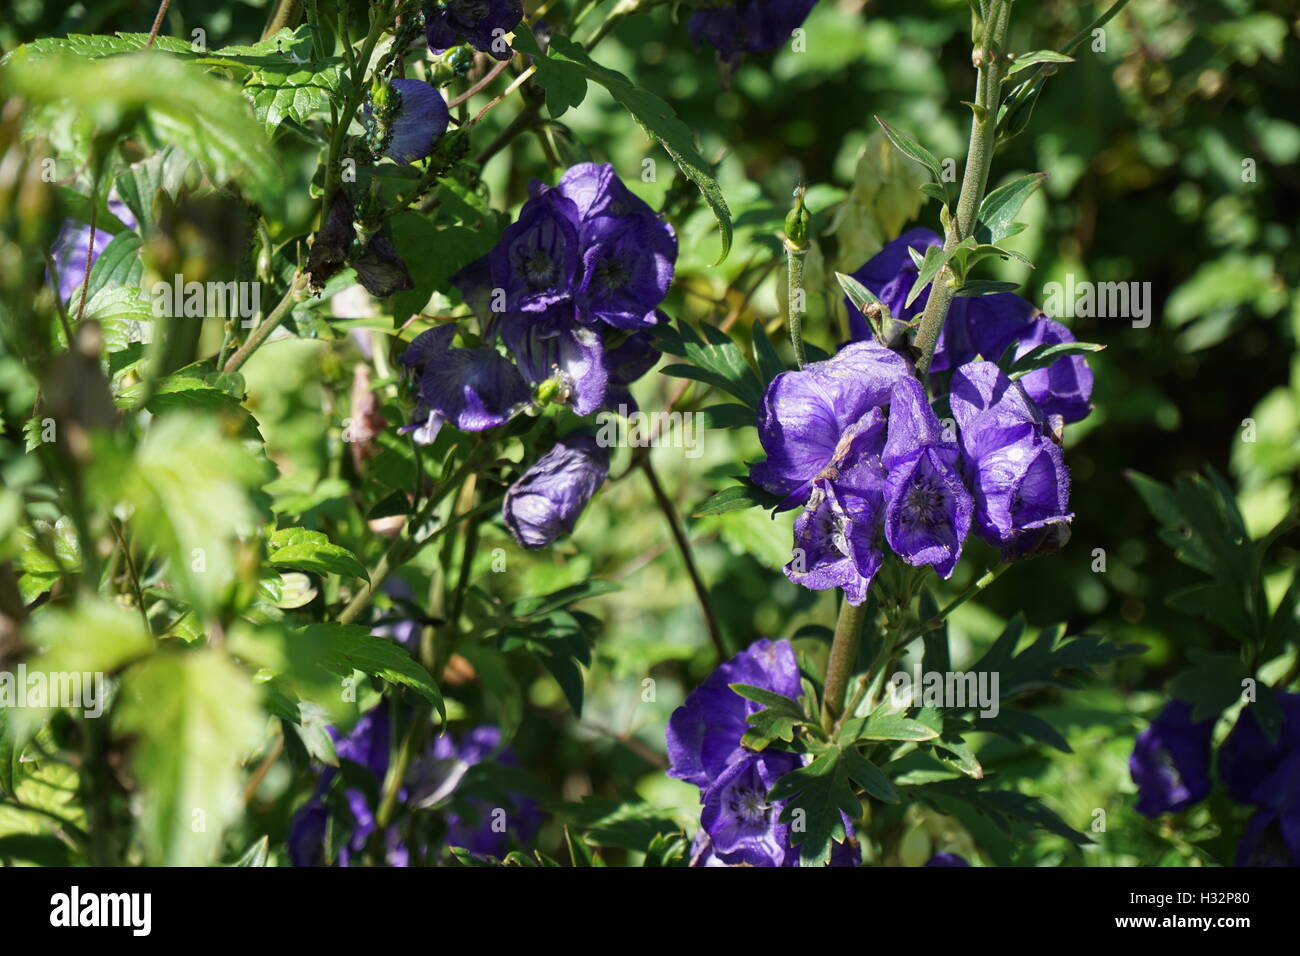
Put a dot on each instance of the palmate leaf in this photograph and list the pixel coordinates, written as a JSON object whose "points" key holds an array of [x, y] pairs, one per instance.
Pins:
{"points": [[195, 717], [565, 68], [1046, 660], [718, 361], [737, 498], [814, 795]]}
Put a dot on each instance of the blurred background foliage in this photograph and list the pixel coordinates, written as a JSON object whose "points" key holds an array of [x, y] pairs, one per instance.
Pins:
{"points": [[1144, 144]]}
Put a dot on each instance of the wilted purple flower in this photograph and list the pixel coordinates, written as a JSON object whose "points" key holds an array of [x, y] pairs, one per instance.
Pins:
{"points": [[1017, 473], [1171, 761], [545, 502], [483, 24], [1248, 758], [72, 247], [438, 776], [947, 859], [928, 509], [807, 413], [748, 26], [704, 733], [474, 389], [409, 115]]}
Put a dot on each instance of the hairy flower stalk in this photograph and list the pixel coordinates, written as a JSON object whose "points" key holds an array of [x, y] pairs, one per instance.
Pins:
{"points": [[797, 224], [989, 60]]}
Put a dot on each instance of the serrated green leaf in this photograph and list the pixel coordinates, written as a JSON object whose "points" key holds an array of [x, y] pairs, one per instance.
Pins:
{"points": [[312, 551]]}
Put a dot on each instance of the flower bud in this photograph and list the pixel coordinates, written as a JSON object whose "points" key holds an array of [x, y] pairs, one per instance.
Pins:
{"points": [[403, 118], [545, 503]]}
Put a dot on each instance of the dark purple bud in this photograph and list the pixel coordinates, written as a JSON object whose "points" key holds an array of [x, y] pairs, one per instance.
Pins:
{"points": [[410, 117], [548, 498]]}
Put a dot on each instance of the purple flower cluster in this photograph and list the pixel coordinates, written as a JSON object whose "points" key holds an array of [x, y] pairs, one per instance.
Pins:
{"points": [[431, 780], [738, 825], [1171, 766], [748, 26], [855, 441]]}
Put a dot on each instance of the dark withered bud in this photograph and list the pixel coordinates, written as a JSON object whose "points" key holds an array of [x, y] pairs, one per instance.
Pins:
{"points": [[332, 242], [380, 269]]}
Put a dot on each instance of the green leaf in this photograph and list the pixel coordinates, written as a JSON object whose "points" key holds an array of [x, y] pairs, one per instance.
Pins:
{"points": [[886, 726], [347, 647], [1041, 356], [936, 257], [1212, 684], [986, 287], [869, 777], [10, 756], [257, 854], [815, 795], [765, 358], [728, 415], [717, 362], [195, 717], [1000, 207], [659, 121], [736, 498], [312, 551], [532, 608], [1003, 807], [769, 699], [1026, 60], [912, 149]]}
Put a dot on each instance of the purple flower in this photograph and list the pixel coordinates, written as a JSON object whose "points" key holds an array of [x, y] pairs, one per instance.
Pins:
{"points": [[928, 509], [947, 859], [411, 115], [1171, 761], [478, 826], [1018, 474], [537, 260], [553, 346], [807, 413], [704, 733], [1273, 836], [367, 746], [474, 389], [739, 825], [748, 26], [1248, 758], [627, 269], [72, 247], [835, 536], [546, 501], [483, 24]]}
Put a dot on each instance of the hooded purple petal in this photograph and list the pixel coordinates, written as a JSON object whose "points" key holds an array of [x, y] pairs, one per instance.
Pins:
{"points": [[627, 269], [1063, 388], [538, 256], [1248, 758], [474, 389], [748, 26], [483, 24]]}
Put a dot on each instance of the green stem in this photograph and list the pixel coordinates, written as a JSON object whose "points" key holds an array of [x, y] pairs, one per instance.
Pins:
{"points": [[688, 559], [844, 653], [269, 324], [356, 94], [794, 270], [989, 54]]}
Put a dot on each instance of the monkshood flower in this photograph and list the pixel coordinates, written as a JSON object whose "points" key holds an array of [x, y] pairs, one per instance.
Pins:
{"points": [[1248, 758], [72, 247], [585, 255], [947, 859], [1273, 836], [546, 501], [739, 826], [440, 774], [627, 362], [405, 117], [978, 326], [474, 388], [928, 509], [366, 745], [1017, 473], [483, 24], [748, 26], [1170, 762]]}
